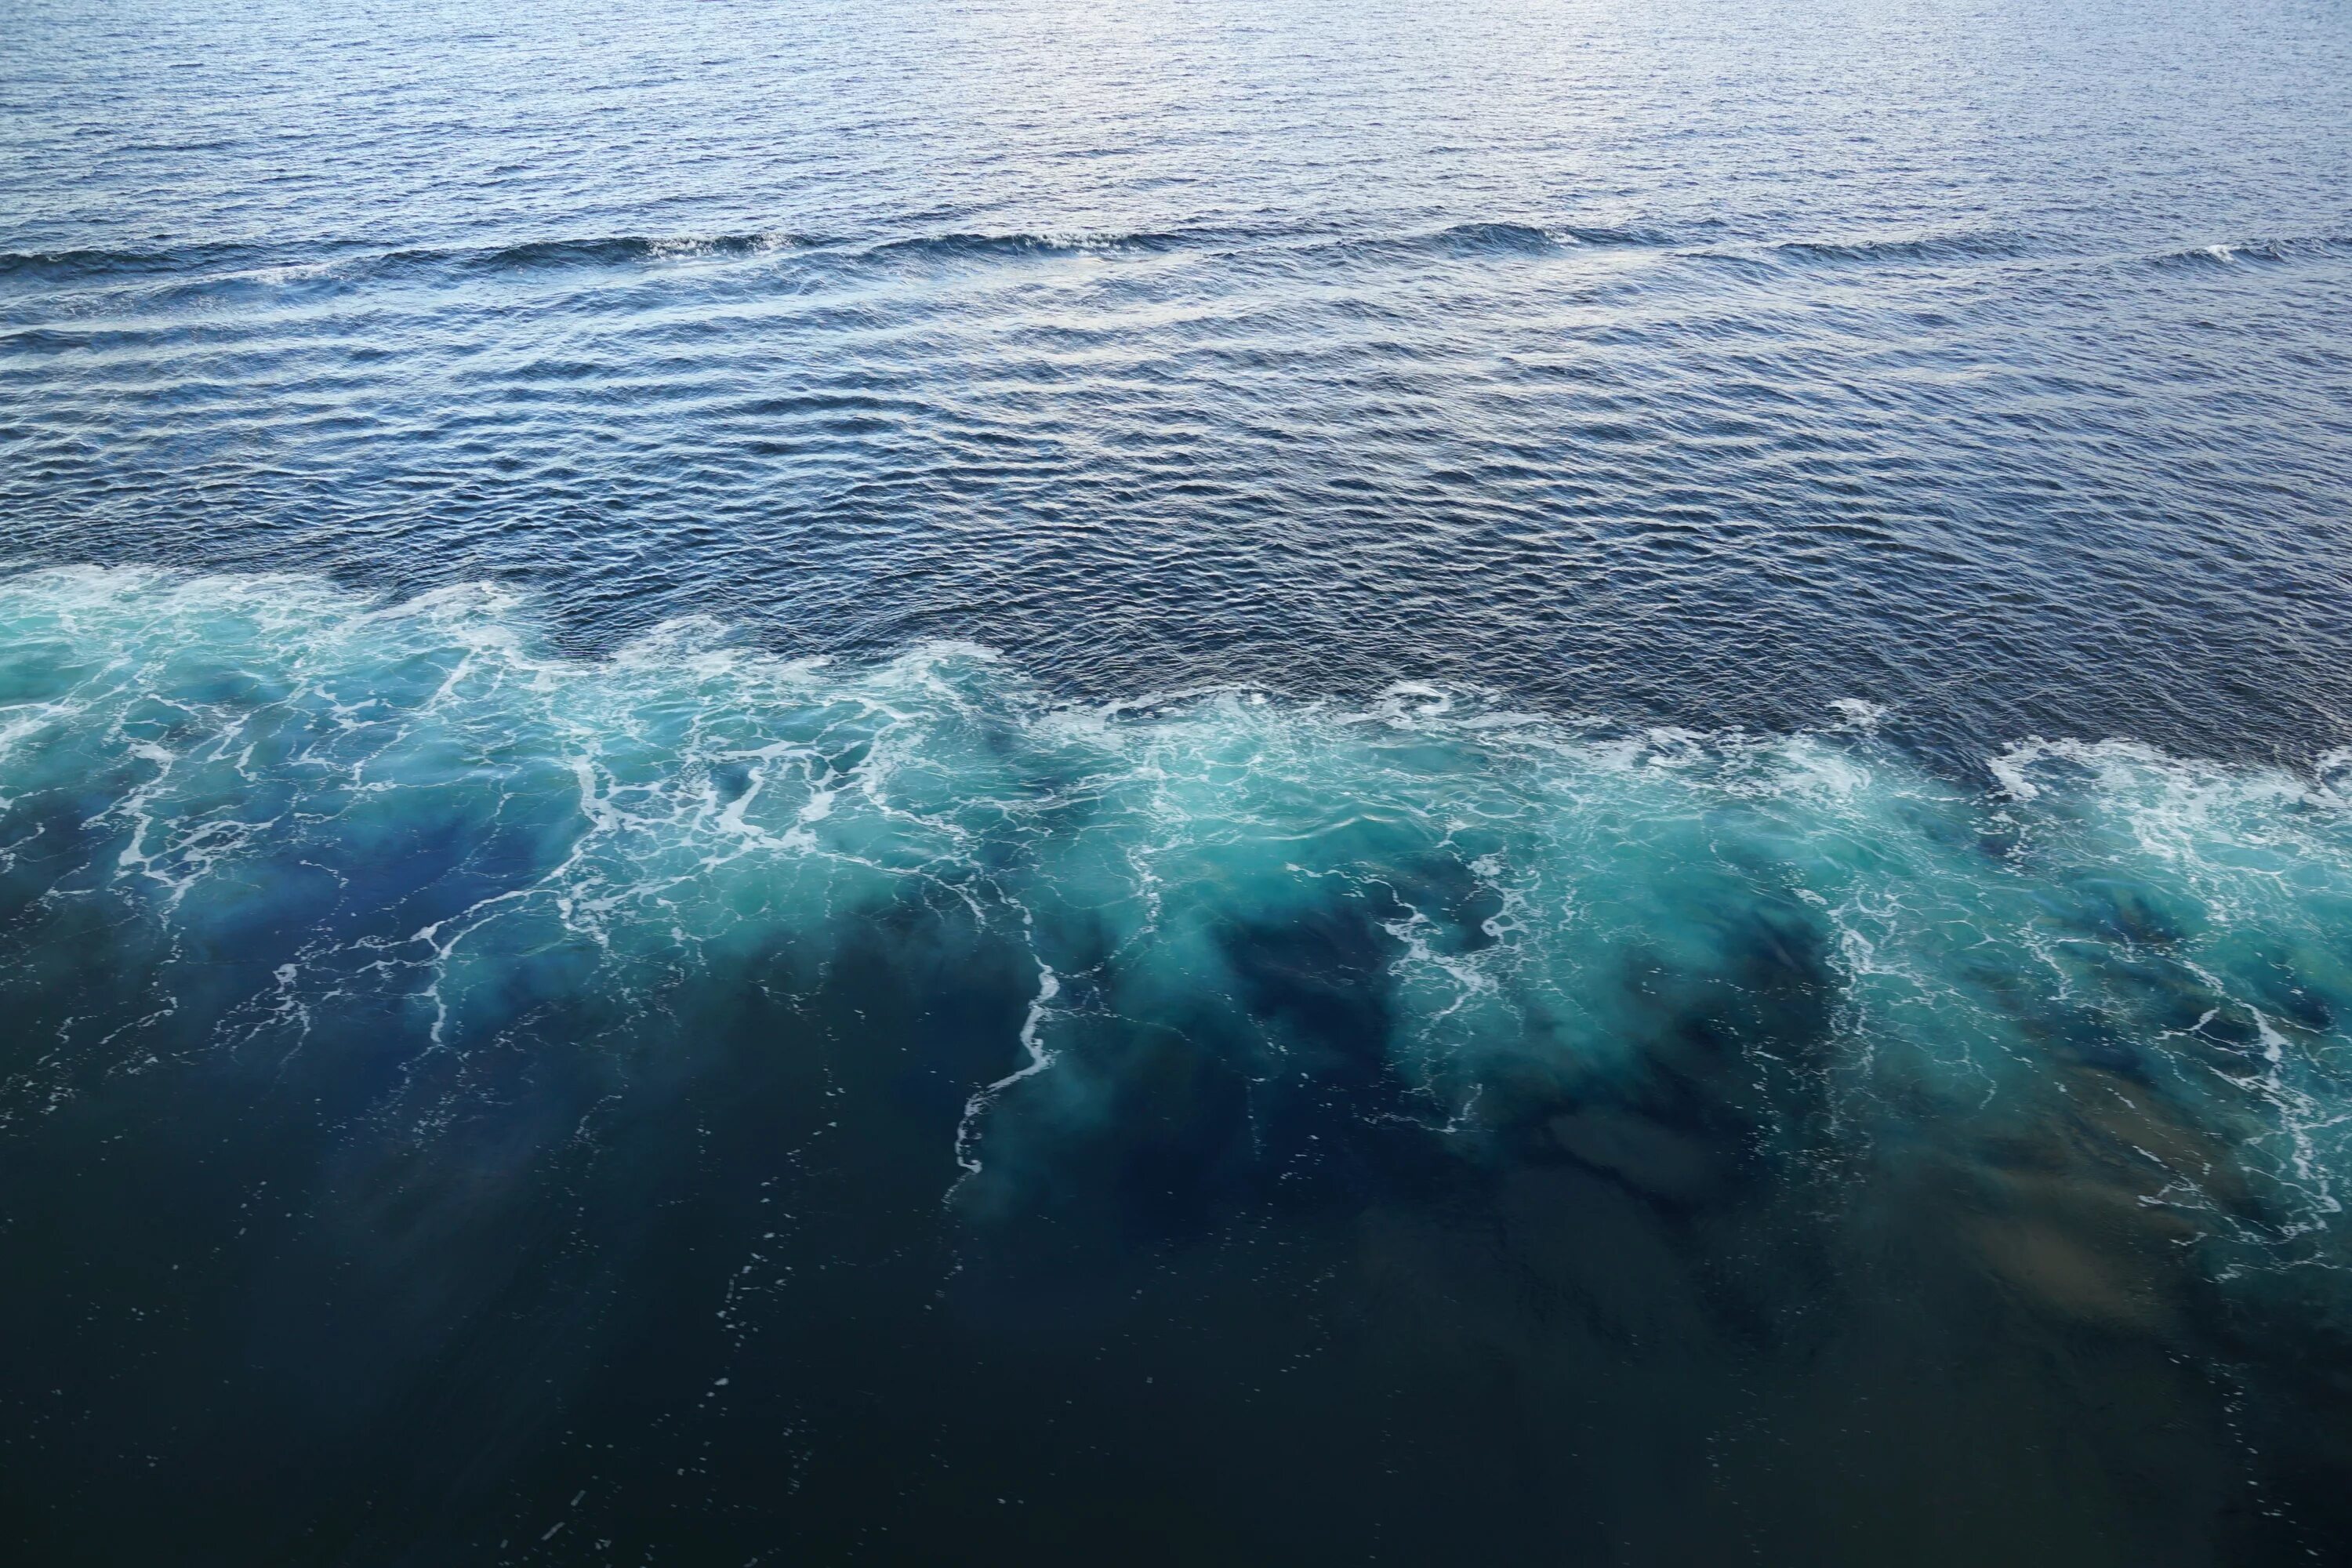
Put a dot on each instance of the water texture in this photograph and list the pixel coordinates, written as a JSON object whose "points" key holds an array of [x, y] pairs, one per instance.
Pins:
{"points": [[699, 1018], [1015, 782], [1707, 363]]}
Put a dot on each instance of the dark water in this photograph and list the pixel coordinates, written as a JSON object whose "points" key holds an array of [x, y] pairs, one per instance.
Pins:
{"points": [[1292, 783]]}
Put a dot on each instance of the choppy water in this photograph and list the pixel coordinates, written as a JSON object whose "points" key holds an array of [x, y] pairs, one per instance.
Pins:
{"points": [[1281, 784]]}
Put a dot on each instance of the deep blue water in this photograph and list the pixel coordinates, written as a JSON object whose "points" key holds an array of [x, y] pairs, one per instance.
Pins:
{"points": [[1281, 784]]}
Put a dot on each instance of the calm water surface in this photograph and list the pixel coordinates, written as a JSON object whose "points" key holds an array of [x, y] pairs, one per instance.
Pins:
{"points": [[1178, 783]]}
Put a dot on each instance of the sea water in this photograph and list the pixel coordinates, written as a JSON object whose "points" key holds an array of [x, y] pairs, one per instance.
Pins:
{"points": [[1289, 784]]}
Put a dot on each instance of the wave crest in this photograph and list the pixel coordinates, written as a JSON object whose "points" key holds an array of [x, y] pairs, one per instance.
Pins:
{"points": [[339, 819]]}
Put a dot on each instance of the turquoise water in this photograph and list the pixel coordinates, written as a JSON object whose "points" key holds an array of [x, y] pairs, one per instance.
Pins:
{"points": [[1807, 1021]]}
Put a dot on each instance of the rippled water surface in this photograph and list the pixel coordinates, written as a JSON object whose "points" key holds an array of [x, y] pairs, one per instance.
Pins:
{"points": [[1176, 783]]}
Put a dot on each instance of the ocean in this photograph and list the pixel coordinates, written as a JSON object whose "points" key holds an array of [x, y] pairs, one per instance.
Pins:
{"points": [[1176, 783]]}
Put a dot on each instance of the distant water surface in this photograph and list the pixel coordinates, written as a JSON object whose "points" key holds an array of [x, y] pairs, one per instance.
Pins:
{"points": [[1176, 783]]}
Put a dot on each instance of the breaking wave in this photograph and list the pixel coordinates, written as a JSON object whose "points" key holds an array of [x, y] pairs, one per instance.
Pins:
{"points": [[167, 274], [2259, 251], [248, 821], [352, 261]]}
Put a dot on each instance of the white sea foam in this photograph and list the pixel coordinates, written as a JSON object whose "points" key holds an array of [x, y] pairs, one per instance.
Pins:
{"points": [[1534, 897]]}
